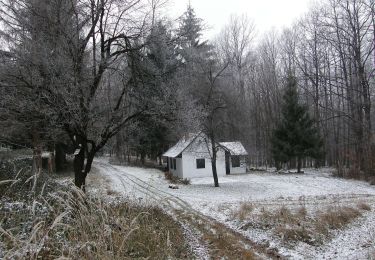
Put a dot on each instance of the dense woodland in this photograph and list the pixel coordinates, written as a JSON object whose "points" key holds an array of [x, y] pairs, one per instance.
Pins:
{"points": [[85, 76]]}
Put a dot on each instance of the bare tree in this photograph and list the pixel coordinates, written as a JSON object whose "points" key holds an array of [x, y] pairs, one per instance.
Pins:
{"points": [[93, 47]]}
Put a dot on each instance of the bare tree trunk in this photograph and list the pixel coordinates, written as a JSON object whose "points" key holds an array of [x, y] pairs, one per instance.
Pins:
{"points": [[60, 158], [213, 162], [80, 168], [79, 171], [37, 151], [299, 164]]}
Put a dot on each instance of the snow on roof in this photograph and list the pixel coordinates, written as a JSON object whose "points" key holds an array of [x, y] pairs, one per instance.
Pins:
{"points": [[235, 148], [46, 154], [181, 145]]}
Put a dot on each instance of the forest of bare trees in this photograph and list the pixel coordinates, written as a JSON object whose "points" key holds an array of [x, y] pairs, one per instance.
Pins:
{"points": [[118, 75], [331, 51]]}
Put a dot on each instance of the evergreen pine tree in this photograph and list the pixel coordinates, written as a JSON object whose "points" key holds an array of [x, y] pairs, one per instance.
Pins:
{"points": [[191, 48], [159, 66], [190, 29], [296, 137]]}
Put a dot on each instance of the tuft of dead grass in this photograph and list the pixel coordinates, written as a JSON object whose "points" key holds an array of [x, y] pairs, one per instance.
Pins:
{"points": [[285, 215], [111, 192], [302, 212], [294, 234], [364, 206], [244, 211], [338, 217]]}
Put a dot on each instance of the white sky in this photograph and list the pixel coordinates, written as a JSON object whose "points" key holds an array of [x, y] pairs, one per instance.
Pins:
{"points": [[266, 14]]}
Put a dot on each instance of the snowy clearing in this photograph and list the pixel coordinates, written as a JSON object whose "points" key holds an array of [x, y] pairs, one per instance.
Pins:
{"points": [[315, 190]]}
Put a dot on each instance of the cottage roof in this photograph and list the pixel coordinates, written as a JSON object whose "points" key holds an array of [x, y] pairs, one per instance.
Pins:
{"points": [[181, 145], [235, 148]]}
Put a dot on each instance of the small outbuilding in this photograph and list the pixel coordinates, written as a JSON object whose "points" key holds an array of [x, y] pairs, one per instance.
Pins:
{"points": [[190, 157], [235, 157]]}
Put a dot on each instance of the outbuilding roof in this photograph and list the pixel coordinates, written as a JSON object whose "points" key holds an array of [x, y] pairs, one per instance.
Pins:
{"points": [[181, 145], [235, 148]]}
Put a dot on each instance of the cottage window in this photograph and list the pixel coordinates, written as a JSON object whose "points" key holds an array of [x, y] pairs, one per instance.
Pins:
{"points": [[174, 163], [201, 163], [235, 161], [170, 163]]}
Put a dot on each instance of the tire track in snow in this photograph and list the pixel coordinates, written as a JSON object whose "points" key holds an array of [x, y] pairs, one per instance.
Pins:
{"points": [[193, 237], [180, 208], [149, 189]]}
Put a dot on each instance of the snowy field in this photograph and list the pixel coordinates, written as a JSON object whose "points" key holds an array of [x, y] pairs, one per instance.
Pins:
{"points": [[314, 190]]}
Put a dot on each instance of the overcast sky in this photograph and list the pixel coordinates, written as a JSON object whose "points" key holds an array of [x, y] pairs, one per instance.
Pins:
{"points": [[265, 13]]}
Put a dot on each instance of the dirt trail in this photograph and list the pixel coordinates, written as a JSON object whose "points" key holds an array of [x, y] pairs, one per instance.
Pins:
{"points": [[208, 238]]}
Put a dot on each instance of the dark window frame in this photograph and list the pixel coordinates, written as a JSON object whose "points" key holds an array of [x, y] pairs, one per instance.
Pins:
{"points": [[174, 164], [236, 161], [201, 163]]}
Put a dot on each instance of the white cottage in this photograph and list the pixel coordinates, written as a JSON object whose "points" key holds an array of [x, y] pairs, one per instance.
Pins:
{"points": [[190, 157]]}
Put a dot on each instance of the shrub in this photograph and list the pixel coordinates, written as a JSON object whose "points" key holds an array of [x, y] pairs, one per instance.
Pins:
{"points": [[185, 181], [170, 177], [175, 180], [371, 180], [364, 206]]}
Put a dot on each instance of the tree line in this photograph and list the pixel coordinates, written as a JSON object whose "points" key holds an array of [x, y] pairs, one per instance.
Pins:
{"points": [[94, 74]]}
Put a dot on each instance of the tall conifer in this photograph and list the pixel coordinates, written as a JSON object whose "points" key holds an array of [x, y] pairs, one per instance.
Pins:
{"points": [[296, 137]]}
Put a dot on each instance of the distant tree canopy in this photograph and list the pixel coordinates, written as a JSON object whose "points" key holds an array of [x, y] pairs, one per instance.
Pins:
{"points": [[296, 136], [86, 71]]}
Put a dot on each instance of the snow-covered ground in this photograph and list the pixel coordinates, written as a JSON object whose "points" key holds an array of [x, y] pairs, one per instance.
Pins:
{"points": [[315, 189]]}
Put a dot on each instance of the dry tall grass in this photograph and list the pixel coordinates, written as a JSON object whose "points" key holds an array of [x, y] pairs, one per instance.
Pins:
{"points": [[63, 222], [298, 225], [243, 211]]}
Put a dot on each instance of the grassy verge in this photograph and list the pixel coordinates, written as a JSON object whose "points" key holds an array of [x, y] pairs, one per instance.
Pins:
{"points": [[222, 242], [48, 221], [313, 228]]}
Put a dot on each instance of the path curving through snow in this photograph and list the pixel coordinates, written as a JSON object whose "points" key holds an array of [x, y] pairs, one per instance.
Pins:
{"points": [[148, 187], [202, 202]]}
